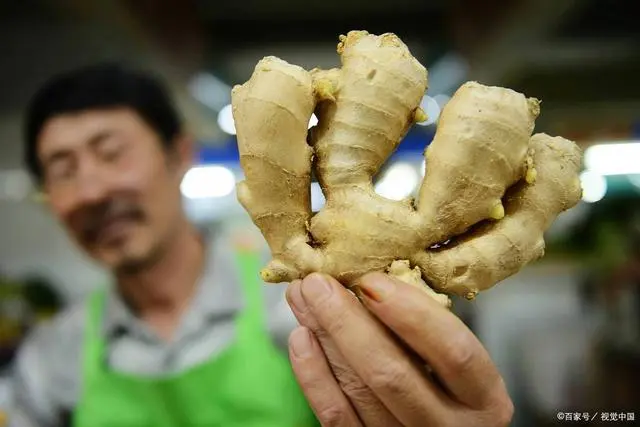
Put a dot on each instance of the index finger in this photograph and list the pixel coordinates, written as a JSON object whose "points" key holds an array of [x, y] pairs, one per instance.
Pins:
{"points": [[374, 354], [438, 336]]}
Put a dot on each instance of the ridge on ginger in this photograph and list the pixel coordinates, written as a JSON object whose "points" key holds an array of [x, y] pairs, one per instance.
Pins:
{"points": [[489, 193]]}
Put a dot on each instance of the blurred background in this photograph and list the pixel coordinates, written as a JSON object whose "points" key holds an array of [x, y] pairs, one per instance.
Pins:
{"points": [[565, 332]]}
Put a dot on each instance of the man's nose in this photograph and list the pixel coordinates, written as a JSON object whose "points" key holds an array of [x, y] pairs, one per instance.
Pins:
{"points": [[91, 186]]}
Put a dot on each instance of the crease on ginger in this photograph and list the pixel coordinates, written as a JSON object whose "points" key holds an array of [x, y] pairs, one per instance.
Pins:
{"points": [[490, 191]]}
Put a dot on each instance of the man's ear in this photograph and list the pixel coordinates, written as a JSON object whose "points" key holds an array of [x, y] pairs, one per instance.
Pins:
{"points": [[185, 153]]}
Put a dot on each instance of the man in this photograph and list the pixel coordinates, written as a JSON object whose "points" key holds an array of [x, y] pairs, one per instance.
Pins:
{"points": [[181, 339]]}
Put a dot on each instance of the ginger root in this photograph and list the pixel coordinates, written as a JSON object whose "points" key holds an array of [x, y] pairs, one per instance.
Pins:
{"points": [[490, 190]]}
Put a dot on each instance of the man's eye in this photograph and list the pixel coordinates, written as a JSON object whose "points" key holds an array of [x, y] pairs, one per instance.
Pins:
{"points": [[110, 149], [60, 169]]}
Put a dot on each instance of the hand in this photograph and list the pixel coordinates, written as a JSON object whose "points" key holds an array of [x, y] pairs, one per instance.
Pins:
{"points": [[406, 361]]}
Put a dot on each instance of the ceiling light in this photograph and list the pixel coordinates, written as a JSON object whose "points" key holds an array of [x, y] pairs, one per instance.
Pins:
{"points": [[203, 182], [398, 182], [431, 107], [613, 159], [594, 186]]}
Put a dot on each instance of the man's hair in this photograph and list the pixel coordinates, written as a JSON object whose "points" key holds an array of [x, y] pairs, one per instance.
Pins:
{"points": [[96, 87]]}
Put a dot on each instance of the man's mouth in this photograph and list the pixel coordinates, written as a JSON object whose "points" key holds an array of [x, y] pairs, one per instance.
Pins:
{"points": [[107, 223], [113, 230]]}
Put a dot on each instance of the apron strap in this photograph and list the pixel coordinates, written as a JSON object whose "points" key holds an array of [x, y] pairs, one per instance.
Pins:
{"points": [[93, 342], [248, 264]]}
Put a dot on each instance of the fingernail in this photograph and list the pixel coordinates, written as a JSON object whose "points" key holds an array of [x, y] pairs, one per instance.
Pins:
{"points": [[300, 342], [294, 296], [316, 286], [377, 286]]}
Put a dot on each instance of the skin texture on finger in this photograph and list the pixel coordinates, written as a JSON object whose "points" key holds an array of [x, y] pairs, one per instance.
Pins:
{"points": [[370, 409], [447, 345], [317, 382], [375, 356]]}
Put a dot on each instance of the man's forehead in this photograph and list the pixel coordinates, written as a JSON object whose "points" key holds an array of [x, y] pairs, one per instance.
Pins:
{"points": [[69, 130]]}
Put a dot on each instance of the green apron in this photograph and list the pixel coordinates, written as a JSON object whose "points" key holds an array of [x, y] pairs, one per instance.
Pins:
{"points": [[250, 384]]}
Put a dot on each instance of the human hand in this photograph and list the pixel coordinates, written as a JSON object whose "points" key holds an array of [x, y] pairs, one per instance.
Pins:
{"points": [[406, 361]]}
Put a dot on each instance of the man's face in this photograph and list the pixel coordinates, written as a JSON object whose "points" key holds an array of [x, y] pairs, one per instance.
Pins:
{"points": [[112, 184]]}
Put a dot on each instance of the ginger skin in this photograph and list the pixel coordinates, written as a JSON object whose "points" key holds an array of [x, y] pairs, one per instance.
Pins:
{"points": [[490, 187]]}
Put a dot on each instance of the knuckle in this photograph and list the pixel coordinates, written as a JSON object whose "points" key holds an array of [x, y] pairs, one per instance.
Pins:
{"points": [[354, 387], [358, 393], [502, 411], [332, 416], [350, 382], [343, 372], [461, 353], [392, 377], [323, 336]]}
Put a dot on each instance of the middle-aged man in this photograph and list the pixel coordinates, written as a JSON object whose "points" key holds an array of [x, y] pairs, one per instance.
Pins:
{"points": [[185, 336]]}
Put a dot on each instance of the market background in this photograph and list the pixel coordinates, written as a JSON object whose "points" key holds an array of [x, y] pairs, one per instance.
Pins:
{"points": [[565, 332]]}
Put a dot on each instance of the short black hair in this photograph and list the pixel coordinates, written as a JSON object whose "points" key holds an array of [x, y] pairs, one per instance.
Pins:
{"points": [[100, 86]]}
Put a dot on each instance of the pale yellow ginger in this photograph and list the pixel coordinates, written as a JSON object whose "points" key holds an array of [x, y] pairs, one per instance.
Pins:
{"points": [[400, 269], [490, 191]]}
